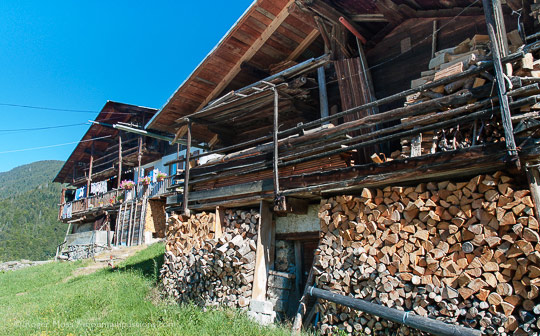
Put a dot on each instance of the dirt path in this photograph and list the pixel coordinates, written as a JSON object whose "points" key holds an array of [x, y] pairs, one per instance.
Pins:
{"points": [[103, 259]]}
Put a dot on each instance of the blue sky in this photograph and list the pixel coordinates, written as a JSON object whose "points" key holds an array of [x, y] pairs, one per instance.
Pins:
{"points": [[79, 54]]}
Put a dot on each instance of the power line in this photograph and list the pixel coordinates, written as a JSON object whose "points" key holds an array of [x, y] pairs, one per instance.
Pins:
{"points": [[22, 130], [51, 146], [58, 109], [40, 128]]}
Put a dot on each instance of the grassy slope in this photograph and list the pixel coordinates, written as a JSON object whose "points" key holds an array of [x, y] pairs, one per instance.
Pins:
{"points": [[88, 305]]}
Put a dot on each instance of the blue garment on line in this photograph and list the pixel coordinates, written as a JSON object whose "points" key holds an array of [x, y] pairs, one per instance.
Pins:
{"points": [[80, 193]]}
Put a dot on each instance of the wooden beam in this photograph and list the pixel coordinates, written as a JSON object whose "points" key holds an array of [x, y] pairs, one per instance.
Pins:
{"points": [[220, 217], [255, 46], [390, 11], [180, 134], [298, 267], [501, 85], [232, 190], [369, 18], [89, 179], [533, 176], [262, 257], [500, 28], [308, 40], [119, 160], [330, 13]]}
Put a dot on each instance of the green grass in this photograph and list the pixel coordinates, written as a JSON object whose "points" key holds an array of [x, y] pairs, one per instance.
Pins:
{"points": [[38, 301]]}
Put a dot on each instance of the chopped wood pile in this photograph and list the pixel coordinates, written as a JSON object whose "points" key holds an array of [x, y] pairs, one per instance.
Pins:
{"points": [[450, 62], [211, 271], [463, 252]]}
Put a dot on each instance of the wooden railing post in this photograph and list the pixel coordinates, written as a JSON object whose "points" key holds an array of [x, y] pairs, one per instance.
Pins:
{"points": [[89, 180], [119, 160]]}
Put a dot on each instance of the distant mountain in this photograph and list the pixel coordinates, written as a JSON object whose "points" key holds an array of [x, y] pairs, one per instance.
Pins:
{"points": [[29, 226], [28, 177]]}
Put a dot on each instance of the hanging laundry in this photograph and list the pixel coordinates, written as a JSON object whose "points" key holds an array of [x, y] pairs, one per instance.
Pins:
{"points": [[98, 187], [67, 211], [80, 193], [155, 172]]}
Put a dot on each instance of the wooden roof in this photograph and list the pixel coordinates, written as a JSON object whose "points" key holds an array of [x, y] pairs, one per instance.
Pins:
{"points": [[269, 32], [112, 112], [273, 31]]}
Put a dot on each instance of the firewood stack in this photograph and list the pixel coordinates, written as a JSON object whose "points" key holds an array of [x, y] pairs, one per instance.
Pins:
{"points": [[450, 62], [208, 271], [465, 252]]}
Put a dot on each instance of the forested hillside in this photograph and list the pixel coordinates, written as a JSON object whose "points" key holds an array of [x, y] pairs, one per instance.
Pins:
{"points": [[29, 228]]}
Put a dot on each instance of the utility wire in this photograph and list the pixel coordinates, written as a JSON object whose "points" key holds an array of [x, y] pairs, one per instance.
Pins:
{"points": [[58, 109], [22, 130], [41, 128], [51, 146]]}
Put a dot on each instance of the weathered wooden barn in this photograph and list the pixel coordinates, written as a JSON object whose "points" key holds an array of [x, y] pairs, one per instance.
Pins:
{"points": [[105, 201], [380, 150]]}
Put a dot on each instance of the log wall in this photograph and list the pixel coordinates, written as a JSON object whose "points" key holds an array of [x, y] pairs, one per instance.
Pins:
{"points": [[464, 252]]}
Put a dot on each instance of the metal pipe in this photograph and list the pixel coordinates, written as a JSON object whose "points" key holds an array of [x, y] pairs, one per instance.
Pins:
{"points": [[355, 32], [276, 144], [186, 170], [422, 323]]}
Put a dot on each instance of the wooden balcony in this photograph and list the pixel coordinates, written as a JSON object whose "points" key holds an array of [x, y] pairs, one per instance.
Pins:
{"points": [[113, 198]]}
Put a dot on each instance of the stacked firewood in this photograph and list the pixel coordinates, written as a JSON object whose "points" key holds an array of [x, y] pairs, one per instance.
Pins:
{"points": [[184, 236], [463, 252], [453, 61], [211, 271]]}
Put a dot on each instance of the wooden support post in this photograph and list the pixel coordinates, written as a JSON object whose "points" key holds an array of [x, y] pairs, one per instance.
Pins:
{"points": [[434, 39], [302, 307], [220, 216], [89, 178], [500, 28], [186, 170], [139, 158], [62, 202], [499, 72], [108, 219], [533, 175], [323, 95], [262, 254], [119, 160], [298, 266]]}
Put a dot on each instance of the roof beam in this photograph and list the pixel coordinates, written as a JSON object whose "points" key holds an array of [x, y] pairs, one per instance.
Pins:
{"points": [[369, 18], [266, 34], [304, 45], [390, 11]]}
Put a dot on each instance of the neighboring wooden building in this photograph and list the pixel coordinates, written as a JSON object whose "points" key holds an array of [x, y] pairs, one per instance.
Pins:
{"points": [[386, 150], [101, 211]]}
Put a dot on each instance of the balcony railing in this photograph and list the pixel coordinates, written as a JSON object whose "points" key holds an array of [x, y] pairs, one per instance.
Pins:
{"points": [[112, 197]]}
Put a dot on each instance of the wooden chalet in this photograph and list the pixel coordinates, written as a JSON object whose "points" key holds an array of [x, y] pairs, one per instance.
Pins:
{"points": [[383, 150], [100, 207]]}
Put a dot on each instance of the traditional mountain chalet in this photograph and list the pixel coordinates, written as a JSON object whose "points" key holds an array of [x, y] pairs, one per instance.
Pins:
{"points": [[381, 150], [117, 183]]}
